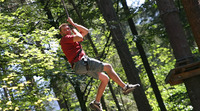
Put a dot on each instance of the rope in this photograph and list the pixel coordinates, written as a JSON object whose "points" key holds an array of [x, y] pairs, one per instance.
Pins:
{"points": [[65, 8]]}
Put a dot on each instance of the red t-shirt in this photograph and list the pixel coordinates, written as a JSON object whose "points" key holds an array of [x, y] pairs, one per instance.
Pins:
{"points": [[71, 49]]}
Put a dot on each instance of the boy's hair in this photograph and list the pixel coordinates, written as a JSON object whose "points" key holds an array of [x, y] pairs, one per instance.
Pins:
{"points": [[63, 25]]}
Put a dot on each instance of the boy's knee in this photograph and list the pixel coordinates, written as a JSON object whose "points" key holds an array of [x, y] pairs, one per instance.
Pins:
{"points": [[107, 66], [104, 78]]}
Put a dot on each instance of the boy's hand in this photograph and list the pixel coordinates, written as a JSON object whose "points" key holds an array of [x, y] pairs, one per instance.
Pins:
{"points": [[70, 21]]}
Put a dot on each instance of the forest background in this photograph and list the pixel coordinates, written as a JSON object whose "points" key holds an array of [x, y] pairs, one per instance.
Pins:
{"points": [[34, 73]]}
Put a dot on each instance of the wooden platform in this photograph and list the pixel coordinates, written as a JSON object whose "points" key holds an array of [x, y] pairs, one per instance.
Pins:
{"points": [[178, 74]]}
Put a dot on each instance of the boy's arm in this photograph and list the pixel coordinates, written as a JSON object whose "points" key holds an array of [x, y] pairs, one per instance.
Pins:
{"points": [[83, 30], [77, 36]]}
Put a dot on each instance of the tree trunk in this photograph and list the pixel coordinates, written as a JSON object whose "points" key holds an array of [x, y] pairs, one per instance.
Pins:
{"points": [[49, 14], [177, 38], [57, 90], [192, 9], [193, 89], [144, 58], [114, 97], [81, 97], [111, 18], [104, 106], [180, 47]]}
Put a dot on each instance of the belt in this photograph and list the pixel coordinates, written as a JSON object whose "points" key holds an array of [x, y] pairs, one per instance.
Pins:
{"points": [[84, 59]]}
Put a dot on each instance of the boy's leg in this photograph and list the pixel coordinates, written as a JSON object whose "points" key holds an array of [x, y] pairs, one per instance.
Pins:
{"points": [[104, 81], [113, 75], [96, 105]]}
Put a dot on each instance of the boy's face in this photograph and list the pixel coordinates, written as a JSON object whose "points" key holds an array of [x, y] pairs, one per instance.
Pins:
{"points": [[65, 30]]}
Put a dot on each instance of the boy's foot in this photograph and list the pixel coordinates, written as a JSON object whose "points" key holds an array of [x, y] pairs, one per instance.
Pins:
{"points": [[96, 106], [129, 88]]}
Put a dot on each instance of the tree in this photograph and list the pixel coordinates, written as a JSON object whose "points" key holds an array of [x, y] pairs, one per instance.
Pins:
{"points": [[131, 72], [180, 46], [144, 58], [192, 9]]}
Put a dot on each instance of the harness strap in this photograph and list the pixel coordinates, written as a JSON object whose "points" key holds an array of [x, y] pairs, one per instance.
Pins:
{"points": [[77, 55], [84, 58]]}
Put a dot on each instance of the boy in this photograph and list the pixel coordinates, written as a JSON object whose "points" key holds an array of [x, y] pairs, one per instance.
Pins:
{"points": [[81, 64]]}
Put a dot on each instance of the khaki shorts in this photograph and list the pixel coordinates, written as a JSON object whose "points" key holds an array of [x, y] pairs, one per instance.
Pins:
{"points": [[94, 66]]}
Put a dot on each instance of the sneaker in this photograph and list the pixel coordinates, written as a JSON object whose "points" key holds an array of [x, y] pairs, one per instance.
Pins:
{"points": [[129, 88], [96, 106]]}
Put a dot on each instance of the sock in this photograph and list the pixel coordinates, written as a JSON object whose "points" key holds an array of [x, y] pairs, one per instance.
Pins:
{"points": [[96, 102], [124, 87]]}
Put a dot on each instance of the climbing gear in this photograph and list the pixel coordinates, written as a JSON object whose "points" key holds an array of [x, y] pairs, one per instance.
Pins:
{"points": [[85, 60]]}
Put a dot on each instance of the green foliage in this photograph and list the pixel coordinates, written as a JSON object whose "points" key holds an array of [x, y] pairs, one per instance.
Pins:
{"points": [[21, 59], [33, 68]]}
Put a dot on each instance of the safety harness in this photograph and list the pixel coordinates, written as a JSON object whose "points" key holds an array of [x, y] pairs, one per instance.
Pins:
{"points": [[84, 58]]}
